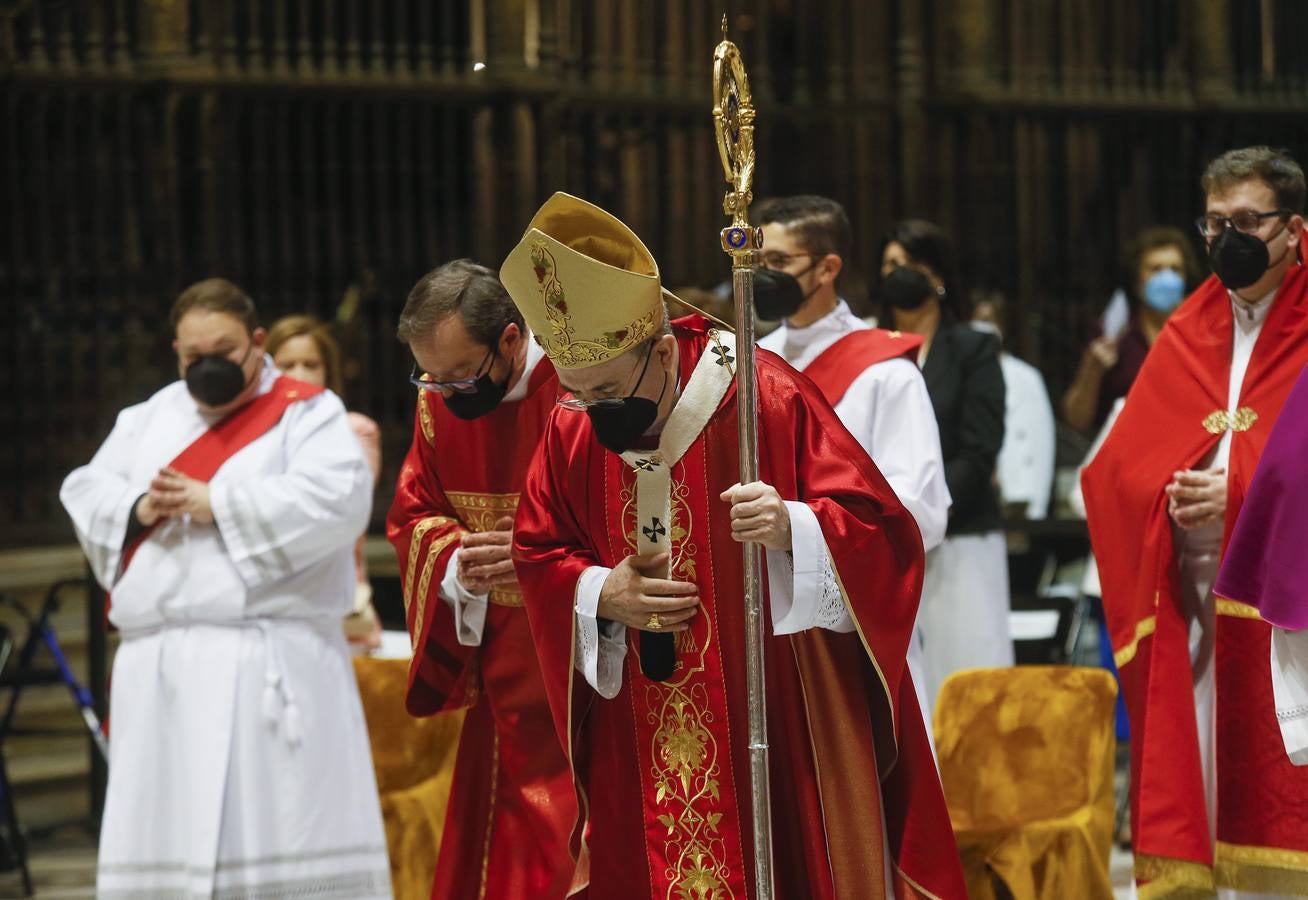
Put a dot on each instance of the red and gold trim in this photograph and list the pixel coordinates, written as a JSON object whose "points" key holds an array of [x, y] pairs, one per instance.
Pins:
{"points": [[1143, 629], [1263, 870], [479, 512]]}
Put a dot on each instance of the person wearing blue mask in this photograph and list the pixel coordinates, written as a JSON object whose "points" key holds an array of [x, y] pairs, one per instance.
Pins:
{"points": [[1160, 267]]}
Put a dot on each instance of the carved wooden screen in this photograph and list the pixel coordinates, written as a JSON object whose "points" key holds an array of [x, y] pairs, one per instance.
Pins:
{"points": [[325, 153]]}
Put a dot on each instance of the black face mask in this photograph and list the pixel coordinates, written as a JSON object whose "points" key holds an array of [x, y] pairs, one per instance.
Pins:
{"points": [[216, 380], [906, 288], [619, 428], [777, 295], [1239, 259], [485, 396]]}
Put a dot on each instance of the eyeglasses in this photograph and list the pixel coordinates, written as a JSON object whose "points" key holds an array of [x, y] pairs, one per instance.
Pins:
{"points": [[1248, 221], [778, 260], [576, 405], [424, 382]]}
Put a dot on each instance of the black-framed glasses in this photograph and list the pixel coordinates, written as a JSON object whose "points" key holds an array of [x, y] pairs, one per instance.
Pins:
{"points": [[576, 405], [775, 259], [424, 382], [1246, 220]]}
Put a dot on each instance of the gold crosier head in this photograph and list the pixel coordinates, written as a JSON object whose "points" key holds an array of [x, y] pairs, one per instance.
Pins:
{"points": [[733, 120]]}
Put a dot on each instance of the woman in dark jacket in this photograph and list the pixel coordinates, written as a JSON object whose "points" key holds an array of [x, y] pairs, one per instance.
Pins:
{"points": [[963, 617]]}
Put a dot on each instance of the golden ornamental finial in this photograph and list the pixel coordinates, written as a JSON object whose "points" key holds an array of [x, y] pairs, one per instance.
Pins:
{"points": [[733, 120], [724, 26]]}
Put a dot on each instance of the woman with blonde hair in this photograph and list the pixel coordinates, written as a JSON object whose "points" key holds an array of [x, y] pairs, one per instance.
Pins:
{"points": [[303, 348]]}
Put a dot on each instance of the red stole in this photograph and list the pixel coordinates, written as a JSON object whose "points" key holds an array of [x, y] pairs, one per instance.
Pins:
{"points": [[663, 769], [204, 456], [836, 367], [1174, 416]]}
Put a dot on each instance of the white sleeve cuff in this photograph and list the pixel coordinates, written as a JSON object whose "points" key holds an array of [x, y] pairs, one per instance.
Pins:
{"points": [[600, 651], [469, 608], [802, 584], [223, 503], [1289, 665]]}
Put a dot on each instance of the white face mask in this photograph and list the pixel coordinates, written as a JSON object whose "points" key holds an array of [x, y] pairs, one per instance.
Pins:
{"points": [[987, 327]]}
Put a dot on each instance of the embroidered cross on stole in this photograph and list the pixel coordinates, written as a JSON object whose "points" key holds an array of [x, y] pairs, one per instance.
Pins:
{"points": [[693, 835]]}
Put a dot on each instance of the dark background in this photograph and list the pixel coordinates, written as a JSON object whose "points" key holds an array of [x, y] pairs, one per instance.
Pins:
{"points": [[325, 153]]}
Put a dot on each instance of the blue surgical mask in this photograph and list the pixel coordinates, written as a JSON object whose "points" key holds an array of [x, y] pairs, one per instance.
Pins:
{"points": [[1164, 290]]}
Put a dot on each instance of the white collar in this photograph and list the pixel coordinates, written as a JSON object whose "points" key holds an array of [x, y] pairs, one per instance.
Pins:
{"points": [[837, 323], [1251, 314], [708, 384], [534, 355]]}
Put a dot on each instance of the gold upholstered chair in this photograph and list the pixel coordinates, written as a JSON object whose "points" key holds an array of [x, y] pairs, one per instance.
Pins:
{"points": [[1026, 758], [414, 762]]}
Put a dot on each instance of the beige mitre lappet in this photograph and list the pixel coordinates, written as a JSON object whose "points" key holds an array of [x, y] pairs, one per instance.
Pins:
{"points": [[588, 288]]}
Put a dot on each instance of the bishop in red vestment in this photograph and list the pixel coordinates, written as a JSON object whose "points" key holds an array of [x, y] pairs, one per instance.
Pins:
{"points": [[486, 392], [629, 533], [1216, 804]]}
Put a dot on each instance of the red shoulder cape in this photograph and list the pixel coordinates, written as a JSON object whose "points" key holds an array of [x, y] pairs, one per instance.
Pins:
{"points": [[1173, 417]]}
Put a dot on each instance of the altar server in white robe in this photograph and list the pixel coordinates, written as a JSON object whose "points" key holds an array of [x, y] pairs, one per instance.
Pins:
{"points": [[869, 375], [221, 515]]}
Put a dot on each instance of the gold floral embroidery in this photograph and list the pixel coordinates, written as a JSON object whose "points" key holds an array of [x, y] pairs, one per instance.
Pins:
{"points": [[425, 420], [1219, 420], [480, 512], [685, 774], [685, 755], [560, 344]]}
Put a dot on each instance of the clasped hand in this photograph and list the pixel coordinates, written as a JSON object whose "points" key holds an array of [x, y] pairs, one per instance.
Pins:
{"points": [[173, 495], [485, 558], [1197, 497]]}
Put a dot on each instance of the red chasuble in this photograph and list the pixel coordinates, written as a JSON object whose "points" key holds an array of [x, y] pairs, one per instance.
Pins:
{"points": [[1174, 416], [512, 803], [836, 367], [663, 768]]}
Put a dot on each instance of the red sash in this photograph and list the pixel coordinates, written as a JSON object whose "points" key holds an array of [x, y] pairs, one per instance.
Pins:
{"points": [[206, 454], [836, 367]]}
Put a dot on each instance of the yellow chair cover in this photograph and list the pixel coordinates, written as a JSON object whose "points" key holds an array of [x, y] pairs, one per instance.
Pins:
{"points": [[1026, 758], [414, 762]]}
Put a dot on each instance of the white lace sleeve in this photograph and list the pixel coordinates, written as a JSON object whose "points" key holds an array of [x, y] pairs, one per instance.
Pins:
{"points": [[600, 651], [802, 582]]}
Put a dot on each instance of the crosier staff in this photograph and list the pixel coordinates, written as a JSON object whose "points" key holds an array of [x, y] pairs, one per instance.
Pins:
{"points": [[733, 120]]}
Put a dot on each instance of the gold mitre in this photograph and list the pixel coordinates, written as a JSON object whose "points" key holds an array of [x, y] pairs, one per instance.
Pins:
{"points": [[587, 286]]}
